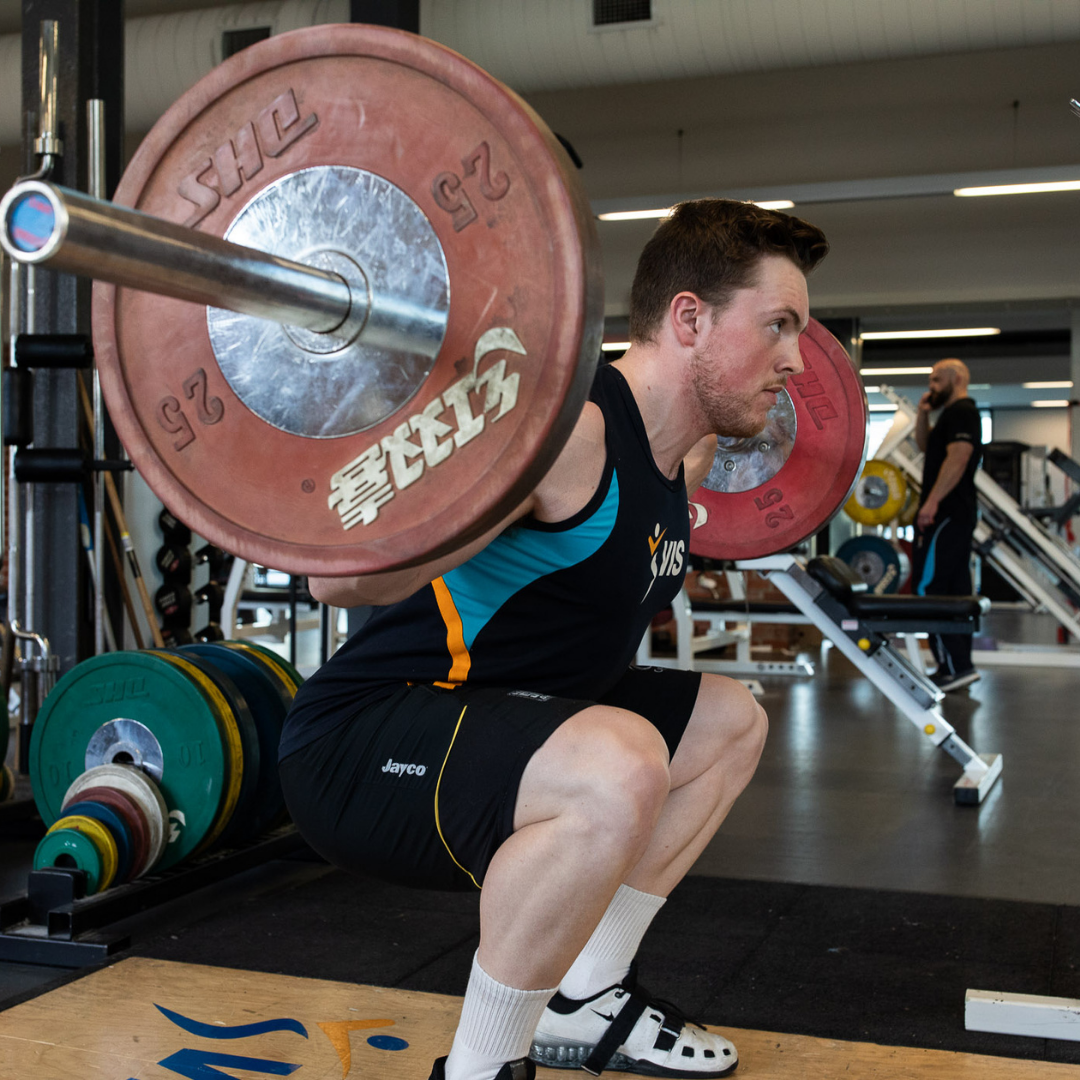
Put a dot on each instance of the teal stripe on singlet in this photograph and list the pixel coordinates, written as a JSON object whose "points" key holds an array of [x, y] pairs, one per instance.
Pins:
{"points": [[520, 556]]}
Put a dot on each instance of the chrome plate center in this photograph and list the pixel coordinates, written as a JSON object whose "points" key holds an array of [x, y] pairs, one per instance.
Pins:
{"points": [[335, 217], [126, 742], [744, 464]]}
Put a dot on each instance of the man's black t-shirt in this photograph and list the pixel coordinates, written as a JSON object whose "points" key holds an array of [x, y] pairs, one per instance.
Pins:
{"points": [[959, 422]]}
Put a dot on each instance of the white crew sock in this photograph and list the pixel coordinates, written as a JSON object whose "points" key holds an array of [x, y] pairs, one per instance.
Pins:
{"points": [[497, 1025], [606, 958]]}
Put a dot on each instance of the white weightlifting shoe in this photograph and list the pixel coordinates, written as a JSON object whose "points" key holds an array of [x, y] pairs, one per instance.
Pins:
{"points": [[624, 1028]]}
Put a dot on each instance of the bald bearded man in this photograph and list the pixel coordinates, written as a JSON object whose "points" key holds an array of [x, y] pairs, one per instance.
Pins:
{"points": [[941, 563]]}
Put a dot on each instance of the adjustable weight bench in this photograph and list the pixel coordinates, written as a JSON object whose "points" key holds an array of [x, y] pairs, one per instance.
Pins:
{"points": [[836, 600]]}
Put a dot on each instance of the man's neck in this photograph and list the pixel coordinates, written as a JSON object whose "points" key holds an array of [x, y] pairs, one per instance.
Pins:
{"points": [[661, 404]]}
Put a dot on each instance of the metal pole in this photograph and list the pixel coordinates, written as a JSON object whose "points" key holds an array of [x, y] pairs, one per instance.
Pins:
{"points": [[48, 146], [95, 126], [48, 142], [29, 590], [14, 518]]}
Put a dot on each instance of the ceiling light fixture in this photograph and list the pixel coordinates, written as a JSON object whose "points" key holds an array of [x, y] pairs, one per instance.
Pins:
{"points": [[663, 212], [896, 371], [1018, 189], [1065, 384], [883, 408], [908, 335], [1060, 403], [615, 346], [634, 215]]}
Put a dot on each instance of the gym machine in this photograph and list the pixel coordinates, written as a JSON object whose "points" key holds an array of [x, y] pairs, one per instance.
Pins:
{"points": [[730, 622], [1019, 544]]}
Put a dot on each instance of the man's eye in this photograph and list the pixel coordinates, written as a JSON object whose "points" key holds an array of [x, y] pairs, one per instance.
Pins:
{"points": [[776, 326]]}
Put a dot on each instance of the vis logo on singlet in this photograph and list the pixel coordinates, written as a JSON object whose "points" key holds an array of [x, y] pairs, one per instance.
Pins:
{"points": [[401, 769], [667, 557]]}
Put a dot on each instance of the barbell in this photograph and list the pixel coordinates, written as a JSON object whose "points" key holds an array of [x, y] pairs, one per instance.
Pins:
{"points": [[348, 305]]}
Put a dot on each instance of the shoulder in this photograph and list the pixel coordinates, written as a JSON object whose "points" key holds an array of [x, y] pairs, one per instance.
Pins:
{"points": [[963, 417], [577, 472]]}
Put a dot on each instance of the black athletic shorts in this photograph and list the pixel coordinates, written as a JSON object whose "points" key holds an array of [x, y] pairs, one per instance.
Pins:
{"points": [[420, 787]]}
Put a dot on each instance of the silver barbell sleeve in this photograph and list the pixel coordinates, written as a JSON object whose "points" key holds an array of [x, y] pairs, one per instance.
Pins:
{"points": [[45, 224]]}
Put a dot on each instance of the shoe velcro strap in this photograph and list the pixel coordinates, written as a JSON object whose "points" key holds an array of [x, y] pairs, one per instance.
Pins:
{"points": [[667, 1036], [616, 1033]]}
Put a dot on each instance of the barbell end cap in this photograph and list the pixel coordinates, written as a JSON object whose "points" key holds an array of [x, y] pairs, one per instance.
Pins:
{"points": [[33, 222]]}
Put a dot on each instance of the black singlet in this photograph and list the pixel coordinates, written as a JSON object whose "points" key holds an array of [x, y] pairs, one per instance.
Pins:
{"points": [[555, 609]]}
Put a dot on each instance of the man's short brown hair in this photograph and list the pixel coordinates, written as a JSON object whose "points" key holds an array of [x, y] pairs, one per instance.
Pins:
{"points": [[712, 247]]}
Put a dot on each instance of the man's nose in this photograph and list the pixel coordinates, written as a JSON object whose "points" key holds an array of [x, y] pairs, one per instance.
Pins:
{"points": [[793, 361]]}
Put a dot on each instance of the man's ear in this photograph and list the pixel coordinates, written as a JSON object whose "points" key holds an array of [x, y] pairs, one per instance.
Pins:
{"points": [[686, 315]]}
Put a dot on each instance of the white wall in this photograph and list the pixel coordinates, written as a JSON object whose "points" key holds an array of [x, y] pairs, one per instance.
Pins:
{"points": [[1036, 427]]}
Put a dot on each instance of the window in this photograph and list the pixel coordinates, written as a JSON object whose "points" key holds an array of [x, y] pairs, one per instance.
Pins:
{"points": [[609, 12], [232, 41]]}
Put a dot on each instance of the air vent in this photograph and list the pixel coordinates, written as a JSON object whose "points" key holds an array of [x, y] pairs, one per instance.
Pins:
{"points": [[610, 12], [232, 41]]}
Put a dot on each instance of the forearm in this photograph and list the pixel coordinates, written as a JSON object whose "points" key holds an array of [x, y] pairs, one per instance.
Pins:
{"points": [[378, 589]]}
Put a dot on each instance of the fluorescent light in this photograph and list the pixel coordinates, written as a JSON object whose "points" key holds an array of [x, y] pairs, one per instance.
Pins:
{"points": [[634, 215], [872, 389], [1058, 404], [1065, 384], [896, 371], [883, 408], [1019, 189], [897, 335], [615, 346], [663, 212]]}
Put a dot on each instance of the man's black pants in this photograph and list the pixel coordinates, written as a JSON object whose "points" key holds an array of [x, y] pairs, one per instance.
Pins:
{"points": [[941, 566]]}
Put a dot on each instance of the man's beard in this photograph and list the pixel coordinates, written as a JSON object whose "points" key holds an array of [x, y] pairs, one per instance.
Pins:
{"points": [[939, 397], [724, 414]]}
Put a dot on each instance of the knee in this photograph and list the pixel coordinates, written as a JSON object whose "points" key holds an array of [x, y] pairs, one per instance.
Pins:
{"points": [[742, 726], [753, 724], [628, 778]]}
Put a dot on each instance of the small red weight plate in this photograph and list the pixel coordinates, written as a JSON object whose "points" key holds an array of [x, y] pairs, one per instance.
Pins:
{"points": [[128, 809], [818, 476], [521, 254]]}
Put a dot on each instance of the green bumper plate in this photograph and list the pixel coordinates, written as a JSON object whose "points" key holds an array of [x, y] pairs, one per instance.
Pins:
{"points": [[151, 690]]}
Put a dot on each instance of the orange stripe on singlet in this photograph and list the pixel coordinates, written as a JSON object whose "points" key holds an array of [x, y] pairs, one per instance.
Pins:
{"points": [[455, 636]]}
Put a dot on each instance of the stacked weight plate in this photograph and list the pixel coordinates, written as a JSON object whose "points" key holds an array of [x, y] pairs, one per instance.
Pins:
{"points": [[884, 566], [140, 760], [880, 496]]}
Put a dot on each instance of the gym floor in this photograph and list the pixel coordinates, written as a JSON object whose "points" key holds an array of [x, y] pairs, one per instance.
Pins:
{"points": [[848, 831]]}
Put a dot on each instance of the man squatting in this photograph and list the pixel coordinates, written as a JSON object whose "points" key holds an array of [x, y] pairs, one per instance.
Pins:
{"points": [[575, 789]]}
